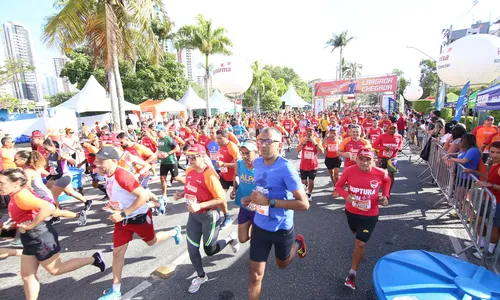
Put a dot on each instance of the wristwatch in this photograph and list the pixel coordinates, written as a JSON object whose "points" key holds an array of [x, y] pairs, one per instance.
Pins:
{"points": [[123, 214], [272, 203]]}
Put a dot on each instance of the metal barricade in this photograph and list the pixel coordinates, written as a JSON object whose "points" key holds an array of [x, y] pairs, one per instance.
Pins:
{"points": [[441, 171]]}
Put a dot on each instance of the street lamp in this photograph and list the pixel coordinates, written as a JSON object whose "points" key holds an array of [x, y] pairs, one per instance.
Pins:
{"points": [[434, 60]]}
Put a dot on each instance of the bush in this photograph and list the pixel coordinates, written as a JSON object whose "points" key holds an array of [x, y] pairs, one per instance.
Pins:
{"points": [[422, 105], [447, 114], [429, 109], [468, 122]]}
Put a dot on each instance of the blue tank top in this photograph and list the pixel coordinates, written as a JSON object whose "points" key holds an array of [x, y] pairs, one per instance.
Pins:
{"points": [[213, 150], [247, 182]]}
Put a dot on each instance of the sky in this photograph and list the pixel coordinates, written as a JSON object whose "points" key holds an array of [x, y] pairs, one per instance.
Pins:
{"points": [[293, 33]]}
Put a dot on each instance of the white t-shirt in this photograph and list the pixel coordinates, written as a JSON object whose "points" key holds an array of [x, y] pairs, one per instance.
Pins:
{"points": [[120, 186]]}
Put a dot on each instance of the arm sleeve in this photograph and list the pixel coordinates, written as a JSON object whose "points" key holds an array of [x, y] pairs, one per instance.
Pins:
{"points": [[213, 184], [342, 145], [25, 200], [143, 150], [339, 186], [386, 185], [126, 180], [293, 183]]}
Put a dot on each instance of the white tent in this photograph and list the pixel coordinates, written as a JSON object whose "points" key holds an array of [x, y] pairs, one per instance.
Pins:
{"points": [[93, 98], [220, 102], [192, 101], [292, 99]]}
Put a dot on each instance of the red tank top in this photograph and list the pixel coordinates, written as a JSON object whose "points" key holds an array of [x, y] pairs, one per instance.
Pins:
{"points": [[197, 187], [17, 214], [332, 146]]}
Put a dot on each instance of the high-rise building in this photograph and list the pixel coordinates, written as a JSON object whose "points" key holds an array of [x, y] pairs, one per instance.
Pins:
{"points": [[186, 57], [63, 83], [16, 42], [49, 85]]}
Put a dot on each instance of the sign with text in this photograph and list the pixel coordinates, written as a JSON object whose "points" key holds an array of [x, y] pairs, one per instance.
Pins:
{"points": [[359, 85]]}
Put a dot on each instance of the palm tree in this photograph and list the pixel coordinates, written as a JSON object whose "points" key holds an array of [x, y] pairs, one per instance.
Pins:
{"points": [[109, 28], [208, 41], [353, 70], [339, 41], [261, 79]]}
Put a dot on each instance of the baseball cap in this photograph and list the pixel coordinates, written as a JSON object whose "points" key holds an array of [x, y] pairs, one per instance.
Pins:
{"points": [[37, 134], [130, 127], [366, 152], [160, 127], [251, 146], [108, 152], [309, 128], [196, 149], [489, 117]]}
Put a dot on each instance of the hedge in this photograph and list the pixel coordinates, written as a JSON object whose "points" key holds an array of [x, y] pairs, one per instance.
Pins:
{"points": [[422, 105], [447, 114]]}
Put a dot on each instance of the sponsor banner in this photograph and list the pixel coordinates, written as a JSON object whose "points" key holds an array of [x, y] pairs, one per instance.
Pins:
{"points": [[318, 105], [359, 85], [461, 102]]}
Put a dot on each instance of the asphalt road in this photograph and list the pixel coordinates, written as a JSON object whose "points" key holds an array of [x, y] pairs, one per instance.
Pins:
{"points": [[402, 225]]}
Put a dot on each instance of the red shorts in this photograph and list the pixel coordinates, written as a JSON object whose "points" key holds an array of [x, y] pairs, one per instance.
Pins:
{"points": [[123, 234]]}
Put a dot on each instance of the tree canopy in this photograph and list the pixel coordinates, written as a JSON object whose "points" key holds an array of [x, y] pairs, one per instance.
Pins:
{"points": [[428, 77]]}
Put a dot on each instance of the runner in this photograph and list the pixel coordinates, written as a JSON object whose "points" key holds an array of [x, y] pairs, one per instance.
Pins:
{"points": [[244, 184], [226, 161], [364, 181], [130, 214], [240, 131], [309, 146], [167, 148], [351, 145], [60, 177], [388, 145], [332, 160], [40, 240], [374, 131], [278, 193], [97, 179], [289, 125], [204, 195]]}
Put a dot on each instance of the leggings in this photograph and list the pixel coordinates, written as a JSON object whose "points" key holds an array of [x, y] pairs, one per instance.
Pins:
{"points": [[206, 224]]}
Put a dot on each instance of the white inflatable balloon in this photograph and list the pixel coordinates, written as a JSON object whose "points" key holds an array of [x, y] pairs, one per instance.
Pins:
{"points": [[232, 76], [413, 93], [474, 58]]}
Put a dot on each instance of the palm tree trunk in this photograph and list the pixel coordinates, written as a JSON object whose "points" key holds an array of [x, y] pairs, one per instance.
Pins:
{"points": [[114, 100], [119, 90], [207, 88], [257, 109], [340, 75]]}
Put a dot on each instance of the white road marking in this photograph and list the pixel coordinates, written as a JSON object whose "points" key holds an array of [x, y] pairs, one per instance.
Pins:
{"points": [[141, 287]]}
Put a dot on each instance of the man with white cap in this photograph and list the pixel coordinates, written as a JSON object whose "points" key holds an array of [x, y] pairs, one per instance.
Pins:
{"points": [[364, 181]]}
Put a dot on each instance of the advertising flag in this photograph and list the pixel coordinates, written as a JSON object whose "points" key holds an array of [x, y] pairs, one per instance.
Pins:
{"points": [[440, 100], [460, 102]]}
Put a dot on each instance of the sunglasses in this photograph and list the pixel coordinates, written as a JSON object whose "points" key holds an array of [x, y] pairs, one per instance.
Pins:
{"points": [[267, 142], [193, 157]]}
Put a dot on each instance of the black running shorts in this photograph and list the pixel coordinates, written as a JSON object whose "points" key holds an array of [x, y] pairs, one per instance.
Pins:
{"points": [[333, 163], [42, 242], [362, 226], [169, 168], [263, 240]]}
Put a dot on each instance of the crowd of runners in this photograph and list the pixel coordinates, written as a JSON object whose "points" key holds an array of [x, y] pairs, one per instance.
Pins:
{"points": [[236, 157]]}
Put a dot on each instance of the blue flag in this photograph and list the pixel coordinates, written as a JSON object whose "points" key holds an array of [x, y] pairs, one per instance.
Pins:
{"points": [[460, 102], [392, 105], [442, 95]]}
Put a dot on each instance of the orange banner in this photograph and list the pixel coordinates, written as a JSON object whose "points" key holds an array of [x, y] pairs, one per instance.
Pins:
{"points": [[356, 86]]}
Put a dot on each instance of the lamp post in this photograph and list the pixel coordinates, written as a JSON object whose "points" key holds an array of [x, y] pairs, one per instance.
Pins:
{"points": [[430, 57]]}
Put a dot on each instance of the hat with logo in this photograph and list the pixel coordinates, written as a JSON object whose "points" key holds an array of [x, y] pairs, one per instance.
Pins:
{"points": [[489, 118], [366, 152], [196, 149], [37, 134], [309, 128], [250, 145], [108, 152]]}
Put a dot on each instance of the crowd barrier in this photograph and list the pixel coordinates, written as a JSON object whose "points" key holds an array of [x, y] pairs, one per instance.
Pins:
{"points": [[473, 205]]}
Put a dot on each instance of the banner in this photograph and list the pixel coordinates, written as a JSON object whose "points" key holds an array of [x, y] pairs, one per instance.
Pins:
{"points": [[460, 102], [392, 105], [401, 103], [318, 105], [359, 85], [442, 95]]}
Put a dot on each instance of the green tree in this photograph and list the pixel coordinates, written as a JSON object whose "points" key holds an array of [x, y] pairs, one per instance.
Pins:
{"points": [[289, 76], [79, 68], [271, 102], [261, 79], [339, 42], [208, 41], [59, 98], [9, 103], [428, 77], [10, 70], [112, 29], [352, 70]]}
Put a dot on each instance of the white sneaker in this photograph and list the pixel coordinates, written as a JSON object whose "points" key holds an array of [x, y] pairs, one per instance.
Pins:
{"points": [[196, 283], [470, 245], [235, 243]]}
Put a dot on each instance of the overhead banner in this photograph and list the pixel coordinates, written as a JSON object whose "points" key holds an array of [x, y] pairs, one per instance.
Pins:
{"points": [[353, 86]]}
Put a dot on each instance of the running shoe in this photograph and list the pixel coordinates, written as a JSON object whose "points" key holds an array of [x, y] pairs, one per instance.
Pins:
{"points": [[227, 221], [55, 220], [302, 251], [110, 294], [82, 218], [196, 283], [350, 281], [155, 212], [163, 205], [309, 197], [178, 235], [99, 261], [87, 205], [235, 243], [336, 194], [105, 198]]}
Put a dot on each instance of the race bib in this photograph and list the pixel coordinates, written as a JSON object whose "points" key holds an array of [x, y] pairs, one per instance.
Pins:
{"points": [[332, 147], [260, 209], [214, 156], [387, 153], [53, 167], [362, 204], [223, 169], [353, 154], [302, 129], [190, 199], [308, 155]]}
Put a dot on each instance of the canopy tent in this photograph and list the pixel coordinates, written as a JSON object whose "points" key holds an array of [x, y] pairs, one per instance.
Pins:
{"points": [[220, 102], [488, 99], [192, 101], [92, 98], [292, 99], [158, 108]]}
